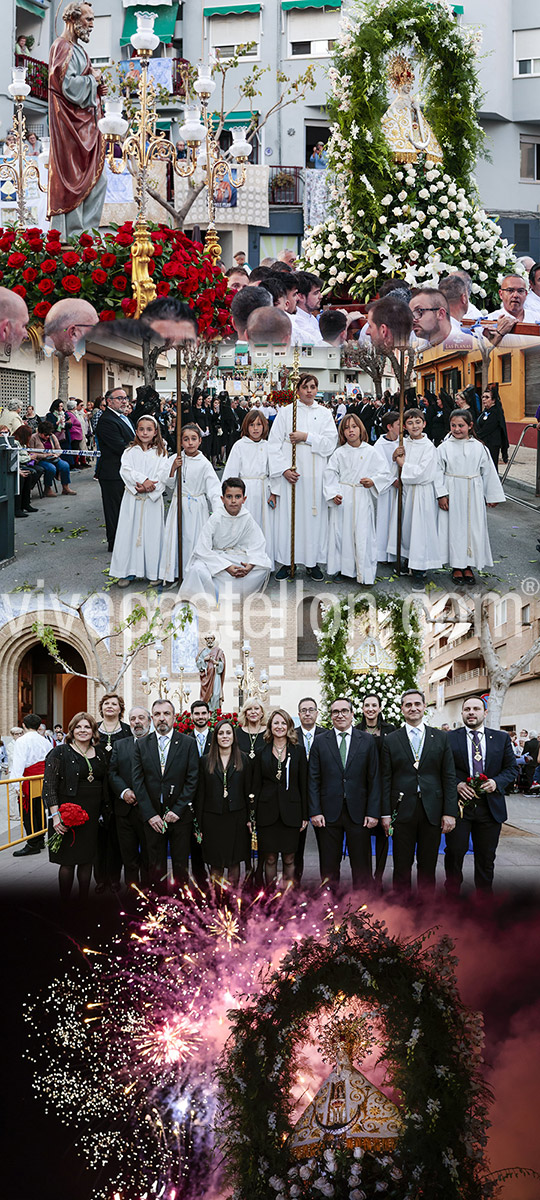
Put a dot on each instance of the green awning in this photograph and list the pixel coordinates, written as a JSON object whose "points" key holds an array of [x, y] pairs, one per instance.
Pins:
{"points": [[37, 10], [227, 10], [459, 9], [163, 25], [237, 118], [288, 4], [163, 125]]}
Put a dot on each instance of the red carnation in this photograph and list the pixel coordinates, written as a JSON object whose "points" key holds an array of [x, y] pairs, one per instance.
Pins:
{"points": [[41, 309], [16, 259], [107, 315], [46, 286], [48, 266], [119, 283], [72, 284], [19, 289], [85, 239], [163, 288], [99, 276], [70, 258], [89, 254], [108, 260], [29, 274]]}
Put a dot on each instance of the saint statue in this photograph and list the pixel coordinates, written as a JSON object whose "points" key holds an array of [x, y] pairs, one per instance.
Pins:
{"points": [[348, 1110], [211, 668], [77, 183], [404, 124]]}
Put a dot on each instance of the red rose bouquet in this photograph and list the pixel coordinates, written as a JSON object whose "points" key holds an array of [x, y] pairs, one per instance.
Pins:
{"points": [[475, 783], [72, 816]]}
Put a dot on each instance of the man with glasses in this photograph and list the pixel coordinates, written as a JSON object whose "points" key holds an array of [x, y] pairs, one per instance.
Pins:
{"points": [[307, 730], [432, 322], [67, 324], [114, 432], [513, 294], [344, 795]]}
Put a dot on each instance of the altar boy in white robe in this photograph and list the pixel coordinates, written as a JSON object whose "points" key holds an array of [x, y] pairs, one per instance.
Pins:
{"points": [[467, 484], [384, 448], [353, 474], [230, 554], [201, 495], [417, 459], [315, 439]]}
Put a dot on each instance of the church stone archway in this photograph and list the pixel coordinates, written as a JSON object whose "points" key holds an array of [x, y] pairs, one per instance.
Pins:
{"points": [[44, 687]]}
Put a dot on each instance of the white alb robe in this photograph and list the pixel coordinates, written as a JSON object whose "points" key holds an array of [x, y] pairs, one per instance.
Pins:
{"points": [[139, 537], [467, 475], [384, 449], [201, 491], [352, 542], [225, 540], [419, 533], [248, 460], [311, 525]]}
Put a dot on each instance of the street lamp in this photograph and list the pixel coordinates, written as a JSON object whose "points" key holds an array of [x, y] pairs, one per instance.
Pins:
{"points": [[245, 678], [142, 146], [165, 687], [23, 170], [216, 168]]}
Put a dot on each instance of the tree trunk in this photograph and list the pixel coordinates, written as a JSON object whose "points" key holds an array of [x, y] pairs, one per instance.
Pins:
{"points": [[150, 356], [63, 378]]}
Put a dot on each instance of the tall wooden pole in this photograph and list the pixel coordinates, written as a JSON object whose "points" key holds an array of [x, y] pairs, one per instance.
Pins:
{"points": [[294, 377], [179, 451], [400, 483]]}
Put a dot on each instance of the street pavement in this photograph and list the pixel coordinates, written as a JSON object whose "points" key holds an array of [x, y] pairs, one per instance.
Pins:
{"points": [[62, 547], [517, 865]]}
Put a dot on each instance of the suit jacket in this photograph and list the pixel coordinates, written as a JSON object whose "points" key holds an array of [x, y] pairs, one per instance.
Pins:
{"points": [[358, 785], [500, 765], [191, 734], [300, 735], [113, 435], [273, 798], [176, 788], [210, 798], [435, 778], [121, 773]]}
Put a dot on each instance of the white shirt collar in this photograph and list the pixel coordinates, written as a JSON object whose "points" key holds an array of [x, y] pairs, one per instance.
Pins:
{"points": [[347, 732], [421, 729], [164, 735], [480, 731], [307, 732]]}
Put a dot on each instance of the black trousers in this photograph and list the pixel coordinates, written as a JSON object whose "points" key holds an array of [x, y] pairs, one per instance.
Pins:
{"points": [[132, 843], [177, 837], [485, 834], [108, 864], [299, 856], [34, 820], [112, 491], [330, 841], [417, 835]]}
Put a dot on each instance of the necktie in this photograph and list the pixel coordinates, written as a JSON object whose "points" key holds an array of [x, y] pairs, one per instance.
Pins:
{"points": [[308, 740], [163, 751], [416, 738], [477, 757], [343, 748], [200, 739]]}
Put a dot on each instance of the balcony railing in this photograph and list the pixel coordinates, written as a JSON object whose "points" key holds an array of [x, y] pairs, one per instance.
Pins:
{"points": [[286, 186], [37, 75]]}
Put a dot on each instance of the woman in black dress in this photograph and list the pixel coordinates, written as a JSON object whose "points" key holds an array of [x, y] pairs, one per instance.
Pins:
{"points": [[372, 722], [222, 804], [217, 436], [491, 425], [76, 773], [108, 863], [250, 728], [280, 795]]}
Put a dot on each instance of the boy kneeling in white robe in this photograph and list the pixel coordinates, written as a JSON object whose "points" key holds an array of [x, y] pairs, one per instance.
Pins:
{"points": [[354, 472], [419, 534], [230, 553], [467, 485]]}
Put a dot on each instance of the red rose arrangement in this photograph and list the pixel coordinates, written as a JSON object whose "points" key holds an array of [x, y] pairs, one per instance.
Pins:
{"points": [[184, 720], [72, 816], [97, 267], [475, 782]]}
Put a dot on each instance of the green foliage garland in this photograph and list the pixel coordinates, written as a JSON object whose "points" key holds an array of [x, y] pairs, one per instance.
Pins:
{"points": [[337, 676], [431, 1046]]}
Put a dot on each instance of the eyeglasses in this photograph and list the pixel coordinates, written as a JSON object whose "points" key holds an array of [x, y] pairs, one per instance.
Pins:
{"points": [[515, 291], [340, 712], [419, 312], [311, 709]]}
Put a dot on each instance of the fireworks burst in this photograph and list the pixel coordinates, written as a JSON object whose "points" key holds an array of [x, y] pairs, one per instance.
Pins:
{"points": [[170, 1043]]}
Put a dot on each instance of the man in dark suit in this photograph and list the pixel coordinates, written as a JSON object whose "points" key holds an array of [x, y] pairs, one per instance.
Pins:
{"points": [[114, 432], [165, 778], [306, 731], [129, 823], [530, 753], [200, 715], [478, 751], [344, 794], [372, 722], [419, 793]]}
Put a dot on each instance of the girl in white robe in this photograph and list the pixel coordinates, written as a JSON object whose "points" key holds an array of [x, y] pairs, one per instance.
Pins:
{"points": [[467, 484], [201, 494], [351, 477], [384, 448], [145, 468], [248, 460], [419, 532]]}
